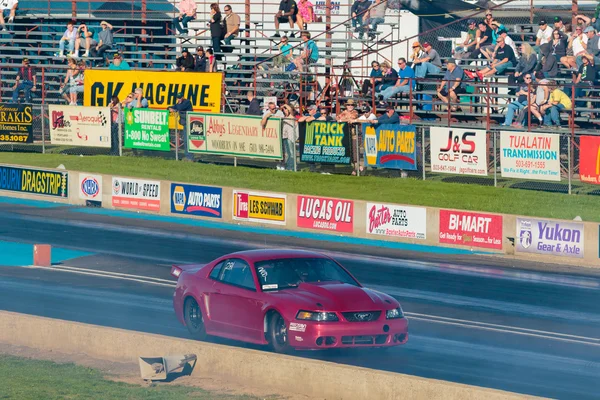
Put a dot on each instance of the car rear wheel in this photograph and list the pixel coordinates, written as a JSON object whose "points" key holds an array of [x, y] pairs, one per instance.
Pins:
{"points": [[194, 319], [278, 334]]}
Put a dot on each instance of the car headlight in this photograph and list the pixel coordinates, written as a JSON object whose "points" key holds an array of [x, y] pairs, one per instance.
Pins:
{"points": [[317, 316], [394, 314]]}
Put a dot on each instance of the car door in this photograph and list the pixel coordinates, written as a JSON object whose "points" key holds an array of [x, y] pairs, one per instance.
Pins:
{"points": [[235, 304]]}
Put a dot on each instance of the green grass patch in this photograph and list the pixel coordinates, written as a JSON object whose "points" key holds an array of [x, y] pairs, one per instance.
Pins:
{"points": [[393, 190], [25, 379]]}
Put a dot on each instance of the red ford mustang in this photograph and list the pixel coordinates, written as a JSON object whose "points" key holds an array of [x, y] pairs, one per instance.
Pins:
{"points": [[286, 299]]}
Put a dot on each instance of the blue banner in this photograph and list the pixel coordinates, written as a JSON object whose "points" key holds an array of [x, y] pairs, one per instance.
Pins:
{"points": [[203, 201], [34, 181], [392, 146]]}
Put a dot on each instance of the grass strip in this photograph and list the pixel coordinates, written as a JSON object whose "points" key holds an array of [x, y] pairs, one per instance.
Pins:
{"points": [[393, 190]]}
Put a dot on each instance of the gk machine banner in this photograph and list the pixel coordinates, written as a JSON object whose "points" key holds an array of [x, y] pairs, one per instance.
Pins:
{"points": [[160, 88], [234, 135], [16, 123], [34, 181], [80, 126], [390, 146], [530, 156], [325, 142], [147, 129]]}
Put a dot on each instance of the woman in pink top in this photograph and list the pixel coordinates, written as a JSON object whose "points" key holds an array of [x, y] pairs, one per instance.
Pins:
{"points": [[187, 12], [305, 13]]}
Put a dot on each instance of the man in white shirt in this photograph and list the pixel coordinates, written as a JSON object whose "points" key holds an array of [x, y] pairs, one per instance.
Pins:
{"points": [[69, 38], [8, 9], [544, 34], [272, 111]]}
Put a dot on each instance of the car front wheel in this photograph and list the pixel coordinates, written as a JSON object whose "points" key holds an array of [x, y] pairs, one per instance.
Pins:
{"points": [[278, 334], [194, 319]]}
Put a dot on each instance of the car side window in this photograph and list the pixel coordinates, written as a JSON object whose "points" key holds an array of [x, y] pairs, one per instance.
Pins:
{"points": [[238, 273], [214, 274]]}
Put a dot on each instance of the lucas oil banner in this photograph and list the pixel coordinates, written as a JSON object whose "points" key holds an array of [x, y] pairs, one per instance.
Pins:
{"points": [[325, 142], [34, 181], [390, 146], [16, 123], [160, 88]]}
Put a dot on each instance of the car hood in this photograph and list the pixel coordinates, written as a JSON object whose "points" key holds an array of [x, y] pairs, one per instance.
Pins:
{"points": [[335, 296]]}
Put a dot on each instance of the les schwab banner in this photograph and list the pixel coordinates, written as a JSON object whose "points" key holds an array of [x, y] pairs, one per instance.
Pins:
{"points": [[390, 146], [235, 135], [16, 123], [458, 151], [160, 88], [80, 126], [34, 181], [259, 207]]}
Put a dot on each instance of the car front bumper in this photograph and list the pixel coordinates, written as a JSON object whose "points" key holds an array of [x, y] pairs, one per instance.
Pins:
{"points": [[317, 335]]}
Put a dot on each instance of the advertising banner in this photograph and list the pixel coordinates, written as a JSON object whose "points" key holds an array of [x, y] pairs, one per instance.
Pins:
{"points": [[160, 88], [325, 142], [458, 151], [396, 221], [34, 181], [147, 129], [549, 237], [90, 187], [390, 146], [471, 229], [203, 201], [530, 156], [259, 207], [589, 159], [234, 135], [80, 126], [320, 7], [16, 123], [325, 214], [136, 194]]}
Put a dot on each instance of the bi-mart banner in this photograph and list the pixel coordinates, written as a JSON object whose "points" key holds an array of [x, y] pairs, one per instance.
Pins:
{"points": [[147, 129], [325, 142], [160, 88], [80, 126], [234, 135], [390, 146], [16, 123]]}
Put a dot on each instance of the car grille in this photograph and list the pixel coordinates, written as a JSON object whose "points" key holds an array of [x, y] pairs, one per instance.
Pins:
{"points": [[365, 339], [362, 316]]}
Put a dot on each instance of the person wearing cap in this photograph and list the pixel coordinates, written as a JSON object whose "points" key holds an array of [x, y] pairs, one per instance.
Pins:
{"points": [[484, 39], [406, 79], [185, 62], [200, 60], [559, 24], [451, 85], [25, 81], [8, 9], [417, 52], [544, 34], [389, 117], [187, 12], [118, 63], [585, 79], [430, 63], [311, 114], [183, 106], [139, 101], [468, 45], [349, 114], [504, 58], [593, 46], [105, 40]]}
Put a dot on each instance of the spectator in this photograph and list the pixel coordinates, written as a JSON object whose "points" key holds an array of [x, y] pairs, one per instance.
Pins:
{"points": [[559, 44], [139, 101], [549, 62], [289, 133], [288, 13], [253, 104], [430, 63], [593, 46], [88, 36], [376, 16], [417, 52], [310, 52], [75, 76], [200, 61], [503, 33], [271, 111], [451, 85], [118, 63], [231, 25], [468, 45], [358, 11], [128, 100], [285, 50], [305, 14], [504, 58], [115, 120], [65, 86], [105, 40], [577, 44], [524, 94], [8, 9], [406, 80], [67, 39], [484, 39], [389, 76], [373, 80], [182, 106], [544, 34], [26, 81], [187, 13], [325, 114], [497, 29], [389, 117], [349, 114], [594, 19], [215, 27], [585, 78], [366, 114], [526, 65], [211, 64], [311, 114], [185, 62], [557, 102], [560, 26]]}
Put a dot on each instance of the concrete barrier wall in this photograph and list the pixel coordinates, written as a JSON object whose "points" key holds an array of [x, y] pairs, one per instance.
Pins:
{"points": [[428, 220], [270, 371]]}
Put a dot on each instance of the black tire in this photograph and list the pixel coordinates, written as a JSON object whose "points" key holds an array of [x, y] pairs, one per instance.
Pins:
{"points": [[194, 320], [278, 335]]}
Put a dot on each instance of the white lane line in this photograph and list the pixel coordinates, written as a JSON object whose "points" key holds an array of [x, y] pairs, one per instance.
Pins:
{"points": [[66, 267]]}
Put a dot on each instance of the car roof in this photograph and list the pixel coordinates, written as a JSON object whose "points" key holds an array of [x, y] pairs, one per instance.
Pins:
{"points": [[271, 254]]}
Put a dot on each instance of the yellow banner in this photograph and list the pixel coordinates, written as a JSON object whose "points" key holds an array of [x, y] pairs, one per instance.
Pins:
{"points": [[266, 208], [203, 89]]}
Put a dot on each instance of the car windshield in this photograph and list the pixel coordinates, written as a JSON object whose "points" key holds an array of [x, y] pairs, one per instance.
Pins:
{"points": [[291, 272]]}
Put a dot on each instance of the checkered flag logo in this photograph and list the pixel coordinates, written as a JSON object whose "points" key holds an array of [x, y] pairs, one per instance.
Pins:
{"points": [[103, 119]]}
